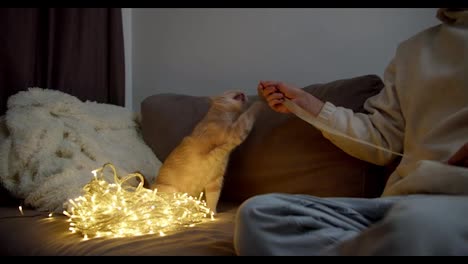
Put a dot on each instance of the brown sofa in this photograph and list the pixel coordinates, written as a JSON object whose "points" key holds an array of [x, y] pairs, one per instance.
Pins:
{"points": [[282, 154]]}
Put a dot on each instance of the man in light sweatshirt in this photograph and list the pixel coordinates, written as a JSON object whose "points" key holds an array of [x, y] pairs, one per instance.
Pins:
{"points": [[422, 112]]}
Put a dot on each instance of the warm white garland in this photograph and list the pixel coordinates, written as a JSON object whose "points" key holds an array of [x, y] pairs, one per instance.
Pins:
{"points": [[115, 210]]}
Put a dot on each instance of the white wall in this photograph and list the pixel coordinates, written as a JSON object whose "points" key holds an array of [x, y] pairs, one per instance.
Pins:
{"points": [[203, 51]]}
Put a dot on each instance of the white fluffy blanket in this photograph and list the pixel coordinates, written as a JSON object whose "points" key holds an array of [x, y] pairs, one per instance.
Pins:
{"points": [[54, 141]]}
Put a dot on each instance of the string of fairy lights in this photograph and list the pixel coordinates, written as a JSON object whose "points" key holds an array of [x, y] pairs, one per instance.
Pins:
{"points": [[121, 210]]}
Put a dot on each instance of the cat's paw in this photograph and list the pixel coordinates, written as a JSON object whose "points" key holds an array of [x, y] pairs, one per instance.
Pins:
{"points": [[257, 107], [212, 208]]}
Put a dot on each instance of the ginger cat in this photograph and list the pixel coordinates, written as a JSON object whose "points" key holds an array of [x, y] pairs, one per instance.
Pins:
{"points": [[199, 162]]}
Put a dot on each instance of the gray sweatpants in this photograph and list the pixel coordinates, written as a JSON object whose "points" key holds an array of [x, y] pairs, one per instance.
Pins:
{"points": [[285, 224]]}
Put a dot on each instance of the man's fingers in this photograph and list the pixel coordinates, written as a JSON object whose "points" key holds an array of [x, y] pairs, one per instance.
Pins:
{"points": [[269, 91], [260, 90], [275, 102], [275, 96]]}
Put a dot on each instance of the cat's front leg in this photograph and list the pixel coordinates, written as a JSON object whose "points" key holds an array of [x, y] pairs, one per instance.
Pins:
{"points": [[243, 125], [212, 193]]}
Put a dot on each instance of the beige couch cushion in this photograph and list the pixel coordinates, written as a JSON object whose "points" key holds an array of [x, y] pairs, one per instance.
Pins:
{"points": [[282, 153]]}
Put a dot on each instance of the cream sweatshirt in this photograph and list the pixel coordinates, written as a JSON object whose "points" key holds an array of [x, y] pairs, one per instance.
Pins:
{"points": [[422, 111]]}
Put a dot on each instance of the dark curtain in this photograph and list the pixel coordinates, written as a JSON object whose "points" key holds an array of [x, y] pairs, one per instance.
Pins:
{"points": [[79, 51]]}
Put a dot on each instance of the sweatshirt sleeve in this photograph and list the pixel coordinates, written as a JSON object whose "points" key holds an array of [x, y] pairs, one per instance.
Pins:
{"points": [[383, 125]]}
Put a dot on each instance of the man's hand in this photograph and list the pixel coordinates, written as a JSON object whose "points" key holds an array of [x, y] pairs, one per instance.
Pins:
{"points": [[276, 92], [460, 158]]}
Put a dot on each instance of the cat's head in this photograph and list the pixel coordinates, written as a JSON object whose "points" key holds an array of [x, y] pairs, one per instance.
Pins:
{"points": [[232, 101]]}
